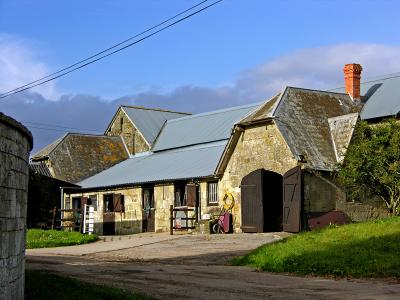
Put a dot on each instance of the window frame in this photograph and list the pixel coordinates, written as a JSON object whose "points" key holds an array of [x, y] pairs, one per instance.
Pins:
{"points": [[94, 199], [106, 203], [215, 194]]}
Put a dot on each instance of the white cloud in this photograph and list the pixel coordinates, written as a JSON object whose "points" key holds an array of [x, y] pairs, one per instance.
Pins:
{"points": [[320, 67], [19, 65]]}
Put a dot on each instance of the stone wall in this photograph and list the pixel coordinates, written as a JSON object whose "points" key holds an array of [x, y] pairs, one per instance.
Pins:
{"points": [[15, 145], [258, 147], [363, 211], [319, 193], [163, 198], [123, 126], [127, 222]]}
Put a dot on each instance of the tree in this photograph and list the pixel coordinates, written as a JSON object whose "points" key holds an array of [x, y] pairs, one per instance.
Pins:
{"points": [[372, 163]]}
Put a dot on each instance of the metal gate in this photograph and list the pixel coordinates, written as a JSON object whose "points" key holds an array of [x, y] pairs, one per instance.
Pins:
{"points": [[252, 202], [292, 198]]}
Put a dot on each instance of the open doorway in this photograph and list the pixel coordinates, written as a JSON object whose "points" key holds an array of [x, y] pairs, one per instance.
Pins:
{"points": [[261, 201]]}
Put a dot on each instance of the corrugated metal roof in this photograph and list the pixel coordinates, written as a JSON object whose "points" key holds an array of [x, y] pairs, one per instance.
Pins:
{"points": [[381, 96], [40, 168], [150, 121], [263, 112], [201, 128], [189, 162]]}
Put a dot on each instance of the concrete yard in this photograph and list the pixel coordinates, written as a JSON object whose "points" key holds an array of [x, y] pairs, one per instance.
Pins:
{"points": [[194, 267]]}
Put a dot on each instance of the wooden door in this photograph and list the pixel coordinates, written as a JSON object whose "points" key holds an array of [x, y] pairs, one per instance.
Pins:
{"points": [[108, 215], [148, 211], [192, 195], [252, 202], [292, 200]]}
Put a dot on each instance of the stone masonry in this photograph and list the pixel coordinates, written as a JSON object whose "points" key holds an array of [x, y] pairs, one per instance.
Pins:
{"points": [[133, 139], [261, 146], [127, 222], [15, 145]]}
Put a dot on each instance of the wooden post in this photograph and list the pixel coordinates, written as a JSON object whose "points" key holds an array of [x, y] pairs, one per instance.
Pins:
{"points": [[53, 221], [81, 220], [171, 219]]}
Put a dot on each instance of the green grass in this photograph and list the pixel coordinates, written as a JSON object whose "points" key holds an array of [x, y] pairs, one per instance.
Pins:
{"points": [[43, 286], [39, 238], [362, 250]]}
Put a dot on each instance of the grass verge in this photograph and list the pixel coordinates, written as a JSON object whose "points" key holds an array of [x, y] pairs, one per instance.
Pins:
{"points": [[39, 238], [361, 250], [43, 286]]}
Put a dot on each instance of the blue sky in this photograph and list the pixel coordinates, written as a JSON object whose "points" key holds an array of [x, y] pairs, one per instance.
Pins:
{"points": [[234, 53]]}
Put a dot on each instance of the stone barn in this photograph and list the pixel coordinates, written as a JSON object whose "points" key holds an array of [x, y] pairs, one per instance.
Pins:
{"points": [[275, 159]]}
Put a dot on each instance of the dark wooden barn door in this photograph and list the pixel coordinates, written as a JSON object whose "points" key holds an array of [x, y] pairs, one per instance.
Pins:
{"points": [[148, 210], [252, 202], [112, 204], [292, 194]]}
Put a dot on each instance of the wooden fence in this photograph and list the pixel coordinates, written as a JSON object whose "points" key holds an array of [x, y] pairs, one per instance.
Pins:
{"points": [[75, 221], [172, 218]]}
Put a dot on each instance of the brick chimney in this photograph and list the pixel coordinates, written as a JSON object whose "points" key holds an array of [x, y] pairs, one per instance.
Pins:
{"points": [[352, 78]]}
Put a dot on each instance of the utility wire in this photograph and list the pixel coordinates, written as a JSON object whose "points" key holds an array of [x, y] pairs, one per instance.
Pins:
{"points": [[40, 82], [105, 50], [55, 126], [53, 129]]}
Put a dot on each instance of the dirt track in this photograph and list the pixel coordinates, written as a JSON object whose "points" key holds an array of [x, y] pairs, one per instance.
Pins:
{"points": [[191, 267]]}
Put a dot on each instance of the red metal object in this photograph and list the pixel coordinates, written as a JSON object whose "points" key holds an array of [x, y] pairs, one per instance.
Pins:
{"points": [[224, 221], [323, 219]]}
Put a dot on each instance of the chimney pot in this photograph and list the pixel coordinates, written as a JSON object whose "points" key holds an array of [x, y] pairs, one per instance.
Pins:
{"points": [[352, 79]]}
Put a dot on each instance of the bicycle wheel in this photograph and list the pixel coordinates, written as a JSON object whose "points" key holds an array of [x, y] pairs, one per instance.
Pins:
{"points": [[217, 228]]}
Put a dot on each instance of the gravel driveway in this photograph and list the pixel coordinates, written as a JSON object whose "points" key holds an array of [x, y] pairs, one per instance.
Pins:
{"points": [[192, 267]]}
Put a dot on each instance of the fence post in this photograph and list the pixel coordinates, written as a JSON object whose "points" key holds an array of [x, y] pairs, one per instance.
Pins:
{"points": [[171, 219], [53, 221], [81, 220]]}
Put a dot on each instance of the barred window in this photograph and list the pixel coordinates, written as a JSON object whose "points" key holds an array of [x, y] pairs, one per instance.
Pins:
{"points": [[212, 190]]}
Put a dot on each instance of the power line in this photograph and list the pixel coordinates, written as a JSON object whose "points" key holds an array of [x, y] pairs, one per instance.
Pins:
{"points": [[56, 126], [53, 129], [78, 65], [105, 50]]}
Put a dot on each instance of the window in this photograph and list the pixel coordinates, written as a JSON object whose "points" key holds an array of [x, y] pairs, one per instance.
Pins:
{"points": [[108, 203], [212, 193], [114, 203], [92, 200], [180, 194], [121, 124]]}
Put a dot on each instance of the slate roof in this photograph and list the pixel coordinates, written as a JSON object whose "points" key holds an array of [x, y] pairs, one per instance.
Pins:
{"points": [[303, 115], [77, 156], [381, 96], [190, 162], [201, 128], [44, 152]]}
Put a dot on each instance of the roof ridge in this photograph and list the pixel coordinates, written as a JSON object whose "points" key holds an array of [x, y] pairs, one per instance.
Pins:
{"points": [[50, 147], [373, 79], [316, 90], [214, 112], [155, 109]]}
